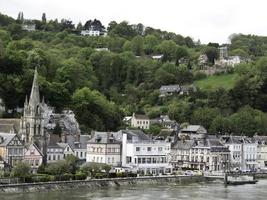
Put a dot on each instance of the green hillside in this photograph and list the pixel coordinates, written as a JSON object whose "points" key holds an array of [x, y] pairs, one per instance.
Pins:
{"points": [[226, 81]]}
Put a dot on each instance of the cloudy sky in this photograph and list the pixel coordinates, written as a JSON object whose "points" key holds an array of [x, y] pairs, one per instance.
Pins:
{"points": [[207, 20]]}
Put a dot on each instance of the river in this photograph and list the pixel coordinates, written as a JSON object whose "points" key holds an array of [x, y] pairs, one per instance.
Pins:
{"points": [[195, 191]]}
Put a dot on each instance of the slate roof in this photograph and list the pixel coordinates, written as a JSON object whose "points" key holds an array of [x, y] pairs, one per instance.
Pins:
{"points": [[170, 88], [136, 133], [6, 137], [72, 141], [144, 117], [191, 128], [184, 144]]}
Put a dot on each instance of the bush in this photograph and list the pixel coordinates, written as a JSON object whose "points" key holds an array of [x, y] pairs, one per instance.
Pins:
{"points": [[42, 178], [64, 177], [80, 176], [121, 174], [199, 76], [98, 175]]}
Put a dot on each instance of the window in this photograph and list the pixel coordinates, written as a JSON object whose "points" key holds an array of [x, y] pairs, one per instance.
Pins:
{"points": [[148, 148], [112, 159], [49, 157], [160, 149], [108, 159], [81, 154], [143, 160], [54, 157], [128, 159], [137, 148], [139, 160], [32, 151], [148, 160], [58, 157]]}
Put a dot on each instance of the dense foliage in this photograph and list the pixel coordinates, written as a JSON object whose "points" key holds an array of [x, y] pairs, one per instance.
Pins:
{"points": [[103, 86]]}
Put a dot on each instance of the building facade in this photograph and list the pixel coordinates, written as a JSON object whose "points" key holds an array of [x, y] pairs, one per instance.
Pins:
{"points": [[145, 155], [140, 121], [104, 147]]}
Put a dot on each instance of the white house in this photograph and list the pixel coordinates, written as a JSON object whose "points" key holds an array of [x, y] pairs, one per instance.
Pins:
{"points": [[28, 27], [140, 153], [261, 151], [90, 33], [235, 145], [104, 147], [140, 121], [249, 161]]}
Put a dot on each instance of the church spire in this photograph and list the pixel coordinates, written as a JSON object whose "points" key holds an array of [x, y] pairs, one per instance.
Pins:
{"points": [[35, 96]]}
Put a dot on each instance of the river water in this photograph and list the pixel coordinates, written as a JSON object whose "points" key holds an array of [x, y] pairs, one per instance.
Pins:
{"points": [[194, 191]]}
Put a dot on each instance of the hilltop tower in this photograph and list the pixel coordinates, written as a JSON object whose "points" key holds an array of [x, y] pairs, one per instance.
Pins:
{"points": [[32, 121]]}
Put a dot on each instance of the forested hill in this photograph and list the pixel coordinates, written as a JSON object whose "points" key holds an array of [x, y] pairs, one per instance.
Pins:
{"points": [[107, 77]]}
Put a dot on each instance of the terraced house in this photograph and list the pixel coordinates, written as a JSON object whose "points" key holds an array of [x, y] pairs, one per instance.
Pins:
{"points": [[11, 148]]}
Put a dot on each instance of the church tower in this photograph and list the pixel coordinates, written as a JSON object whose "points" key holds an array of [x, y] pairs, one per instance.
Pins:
{"points": [[32, 121]]}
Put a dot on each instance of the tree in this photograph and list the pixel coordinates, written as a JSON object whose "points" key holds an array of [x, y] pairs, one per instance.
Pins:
{"points": [[94, 111], [151, 42], [137, 45], [204, 116], [20, 17], [44, 18], [212, 54], [180, 52], [21, 169], [168, 49]]}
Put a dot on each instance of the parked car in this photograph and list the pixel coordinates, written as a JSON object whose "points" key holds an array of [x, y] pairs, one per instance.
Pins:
{"points": [[189, 173]]}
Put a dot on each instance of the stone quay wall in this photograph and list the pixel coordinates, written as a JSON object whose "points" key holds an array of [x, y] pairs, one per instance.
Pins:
{"points": [[98, 183]]}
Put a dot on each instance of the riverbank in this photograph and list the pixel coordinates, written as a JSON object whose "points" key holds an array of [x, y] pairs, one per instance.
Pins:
{"points": [[98, 183]]}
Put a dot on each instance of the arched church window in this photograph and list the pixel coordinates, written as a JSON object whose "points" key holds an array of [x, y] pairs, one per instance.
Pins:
{"points": [[27, 132]]}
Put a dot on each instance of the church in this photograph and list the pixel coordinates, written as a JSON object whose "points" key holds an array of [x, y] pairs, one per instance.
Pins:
{"points": [[36, 136], [32, 125]]}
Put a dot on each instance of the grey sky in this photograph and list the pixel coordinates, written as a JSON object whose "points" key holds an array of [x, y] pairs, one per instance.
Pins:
{"points": [[207, 20]]}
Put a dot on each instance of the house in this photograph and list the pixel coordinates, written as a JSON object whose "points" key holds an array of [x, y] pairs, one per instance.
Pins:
{"points": [[223, 51], [157, 57], [142, 154], [67, 149], [234, 143], [203, 60], [250, 148], [55, 151], [79, 145], [90, 33], [127, 120], [187, 89], [104, 147], [28, 27], [34, 157], [193, 131], [261, 151], [11, 148], [140, 121], [168, 90], [180, 154], [209, 155]]}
